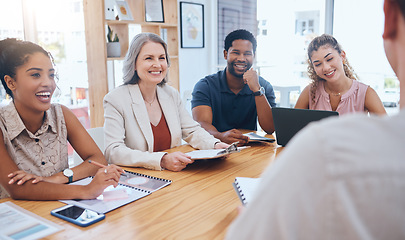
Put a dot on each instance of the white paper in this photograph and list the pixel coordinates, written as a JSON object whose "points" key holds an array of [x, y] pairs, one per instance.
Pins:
{"points": [[206, 154], [102, 206], [18, 223], [253, 137], [247, 188], [210, 154]]}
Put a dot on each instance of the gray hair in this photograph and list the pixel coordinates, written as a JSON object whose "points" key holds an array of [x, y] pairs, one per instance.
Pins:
{"points": [[129, 73]]}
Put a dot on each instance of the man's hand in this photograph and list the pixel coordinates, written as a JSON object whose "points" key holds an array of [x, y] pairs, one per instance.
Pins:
{"points": [[251, 78], [232, 136]]}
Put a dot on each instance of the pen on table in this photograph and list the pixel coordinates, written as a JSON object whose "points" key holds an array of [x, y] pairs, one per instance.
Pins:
{"points": [[101, 165]]}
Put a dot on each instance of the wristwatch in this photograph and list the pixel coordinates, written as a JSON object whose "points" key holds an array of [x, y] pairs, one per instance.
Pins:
{"points": [[261, 92], [69, 174]]}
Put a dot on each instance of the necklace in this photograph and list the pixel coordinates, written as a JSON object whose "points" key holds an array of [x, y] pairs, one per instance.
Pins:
{"points": [[150, 103], [335, 94], [332, 93]]}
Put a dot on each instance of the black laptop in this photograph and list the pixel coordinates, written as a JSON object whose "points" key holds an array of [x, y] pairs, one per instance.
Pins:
{"points": [[288, 121]]}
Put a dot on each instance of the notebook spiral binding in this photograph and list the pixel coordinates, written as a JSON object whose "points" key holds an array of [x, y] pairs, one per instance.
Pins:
{"points": [[242, 197], [147, 176], [138, 189]]}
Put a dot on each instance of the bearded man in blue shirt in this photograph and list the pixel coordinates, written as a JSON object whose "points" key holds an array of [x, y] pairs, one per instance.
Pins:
{"points": [[235, 98]]}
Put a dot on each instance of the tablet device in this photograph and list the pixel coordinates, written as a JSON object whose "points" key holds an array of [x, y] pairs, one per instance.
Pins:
{"points": [[289, 121]]}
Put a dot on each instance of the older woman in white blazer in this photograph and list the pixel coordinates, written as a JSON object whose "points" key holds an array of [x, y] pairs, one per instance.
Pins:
{"points": [[145, 116]]}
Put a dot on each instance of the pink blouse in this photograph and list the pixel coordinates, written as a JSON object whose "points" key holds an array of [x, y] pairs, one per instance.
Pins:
{"points": [[352, 101]]}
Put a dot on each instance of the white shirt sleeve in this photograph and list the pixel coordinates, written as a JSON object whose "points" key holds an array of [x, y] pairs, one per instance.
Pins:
{"points": [[290, 186]]}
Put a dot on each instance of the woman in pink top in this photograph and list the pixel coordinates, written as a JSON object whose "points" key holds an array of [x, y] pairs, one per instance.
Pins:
{"points": [[334, 85]]}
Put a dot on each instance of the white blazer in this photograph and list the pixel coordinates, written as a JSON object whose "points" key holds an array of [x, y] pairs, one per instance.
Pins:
{"points": [[128, 133]]}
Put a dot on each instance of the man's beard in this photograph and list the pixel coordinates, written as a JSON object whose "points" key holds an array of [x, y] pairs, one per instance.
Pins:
{"points": [[232, 71]]}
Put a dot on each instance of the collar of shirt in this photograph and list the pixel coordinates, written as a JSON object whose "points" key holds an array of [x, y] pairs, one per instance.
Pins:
{"points": [[15, 125], [225, 88]]}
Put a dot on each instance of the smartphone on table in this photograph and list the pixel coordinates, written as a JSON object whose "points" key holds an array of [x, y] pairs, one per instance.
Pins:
{"points": [[77, 215]]}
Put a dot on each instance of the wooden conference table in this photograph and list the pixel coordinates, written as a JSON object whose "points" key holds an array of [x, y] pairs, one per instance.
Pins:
{"points": [[199, 204]]}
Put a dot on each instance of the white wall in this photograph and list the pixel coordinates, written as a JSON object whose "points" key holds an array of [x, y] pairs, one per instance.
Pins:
{"points": [[362, 41], [195, 63]]}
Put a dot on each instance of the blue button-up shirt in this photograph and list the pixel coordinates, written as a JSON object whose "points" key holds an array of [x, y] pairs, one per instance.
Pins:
{"points": [[229, 110]]}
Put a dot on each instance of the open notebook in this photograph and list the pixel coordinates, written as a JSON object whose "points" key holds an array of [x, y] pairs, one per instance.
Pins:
{"points": [[245, 188], [130, 188]]}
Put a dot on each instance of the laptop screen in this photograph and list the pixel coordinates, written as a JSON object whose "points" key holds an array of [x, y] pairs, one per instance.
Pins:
{"points": [[289, 121]]}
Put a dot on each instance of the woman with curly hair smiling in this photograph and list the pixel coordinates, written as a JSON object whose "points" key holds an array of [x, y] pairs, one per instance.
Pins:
{"points": [[335, 86]]}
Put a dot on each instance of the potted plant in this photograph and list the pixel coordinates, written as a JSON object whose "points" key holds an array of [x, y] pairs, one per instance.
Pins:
{"points": [[113, 44]]}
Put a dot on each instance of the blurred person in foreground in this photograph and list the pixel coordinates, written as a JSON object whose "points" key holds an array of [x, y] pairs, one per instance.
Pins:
{"points": [[340, 178]]}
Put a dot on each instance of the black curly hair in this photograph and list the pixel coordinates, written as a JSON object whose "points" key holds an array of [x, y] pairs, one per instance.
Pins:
{"points": [[240, 34]]}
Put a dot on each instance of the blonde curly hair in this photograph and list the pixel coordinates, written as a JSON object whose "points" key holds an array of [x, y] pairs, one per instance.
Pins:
{"points": [[316, 43]]}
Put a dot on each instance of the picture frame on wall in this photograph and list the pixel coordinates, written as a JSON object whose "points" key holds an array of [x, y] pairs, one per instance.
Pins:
{"points": [[123, 11], [192, 25], [154, 11]]}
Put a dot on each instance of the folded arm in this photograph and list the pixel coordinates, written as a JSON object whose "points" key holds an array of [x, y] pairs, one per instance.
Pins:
{"points": [[17, 182]]}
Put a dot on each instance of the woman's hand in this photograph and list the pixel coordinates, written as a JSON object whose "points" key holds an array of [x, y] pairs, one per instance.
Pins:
{"points": [[176, 161], [221, 145], [112, 168], [104, 177], [20, 177]]}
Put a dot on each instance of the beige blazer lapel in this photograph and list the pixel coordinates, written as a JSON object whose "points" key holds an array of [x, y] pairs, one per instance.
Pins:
{"points": [[169, 109], [141, 114]]}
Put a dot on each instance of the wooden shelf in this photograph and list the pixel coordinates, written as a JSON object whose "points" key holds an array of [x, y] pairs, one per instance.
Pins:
{"points": [[125, 22], [96, 46], [115, 58]]}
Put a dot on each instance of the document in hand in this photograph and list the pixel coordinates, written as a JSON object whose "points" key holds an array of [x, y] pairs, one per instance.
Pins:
{"points": [[253, 137], [245, 188], [130, 188], [214, 153]]}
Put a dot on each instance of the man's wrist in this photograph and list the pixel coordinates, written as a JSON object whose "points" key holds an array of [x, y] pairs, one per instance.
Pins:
{"points": [[260, 92], [255, 88], [218, 136]]}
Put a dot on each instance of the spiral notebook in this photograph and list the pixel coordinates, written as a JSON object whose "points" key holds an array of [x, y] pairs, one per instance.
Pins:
{"points": [[142, 181], [131, 187], [245, 188]]}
